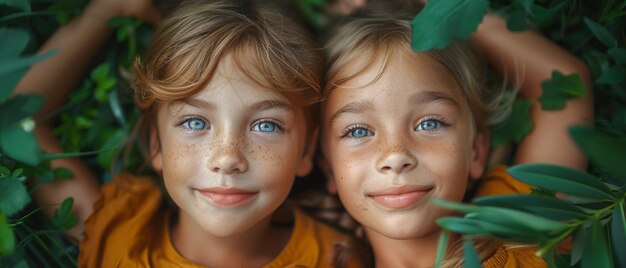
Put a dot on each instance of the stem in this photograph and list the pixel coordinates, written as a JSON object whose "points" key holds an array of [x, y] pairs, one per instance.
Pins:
{"points": [[573, 226]]}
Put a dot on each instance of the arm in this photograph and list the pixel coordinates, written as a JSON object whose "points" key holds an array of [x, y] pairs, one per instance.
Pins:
{"points": [[53, 79], [530, 58]]}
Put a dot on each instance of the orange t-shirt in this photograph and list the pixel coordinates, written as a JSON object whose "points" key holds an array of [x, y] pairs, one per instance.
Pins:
{"points": [[498, 182], [130, 228]]}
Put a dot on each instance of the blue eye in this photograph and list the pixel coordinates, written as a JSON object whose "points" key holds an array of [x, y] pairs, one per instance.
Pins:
{"points": [[194, 124], [265, 126], [429, 125], [359, 132]]}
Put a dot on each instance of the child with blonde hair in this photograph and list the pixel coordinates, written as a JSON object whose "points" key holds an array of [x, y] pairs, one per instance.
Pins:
{"points": [[400, 127], [227, 93]]}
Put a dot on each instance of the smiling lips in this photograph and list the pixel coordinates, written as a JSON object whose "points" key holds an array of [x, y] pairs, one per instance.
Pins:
{"points": [[399, 197], [227, 197]]}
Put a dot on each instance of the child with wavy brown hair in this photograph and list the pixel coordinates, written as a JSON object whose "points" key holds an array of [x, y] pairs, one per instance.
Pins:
{"points": [[400, 127], [227, 93]]}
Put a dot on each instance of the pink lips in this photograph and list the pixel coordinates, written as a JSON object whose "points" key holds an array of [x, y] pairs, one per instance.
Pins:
{"points": [[227, 196], [400, 197]]}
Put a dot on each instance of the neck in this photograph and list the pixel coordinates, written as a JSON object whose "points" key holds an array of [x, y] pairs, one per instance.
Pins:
{"points": [[255, 247], [414, 252]]}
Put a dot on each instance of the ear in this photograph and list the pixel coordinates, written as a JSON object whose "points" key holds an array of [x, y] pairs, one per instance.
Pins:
{"points": [[156, 155], [323, 164], [480, 150], [306, 162]]}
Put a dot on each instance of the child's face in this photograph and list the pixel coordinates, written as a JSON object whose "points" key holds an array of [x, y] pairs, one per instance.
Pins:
{"points": [[229, 154], [394, 143]]}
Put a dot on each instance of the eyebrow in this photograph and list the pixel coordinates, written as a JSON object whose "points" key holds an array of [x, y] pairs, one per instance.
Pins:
{"points": [[424, 97], [257, 106], [355, 107]]}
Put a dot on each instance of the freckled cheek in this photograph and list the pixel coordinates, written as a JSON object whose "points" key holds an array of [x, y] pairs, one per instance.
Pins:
{"points": [[181, 159]]}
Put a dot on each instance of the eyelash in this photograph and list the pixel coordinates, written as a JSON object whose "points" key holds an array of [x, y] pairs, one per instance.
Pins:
{"points": [[278, 125], [349, 129], [185, 120], [440, 120]]}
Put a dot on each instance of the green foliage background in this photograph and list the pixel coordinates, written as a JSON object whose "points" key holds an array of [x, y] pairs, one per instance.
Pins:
{"points": [[100, 114]]}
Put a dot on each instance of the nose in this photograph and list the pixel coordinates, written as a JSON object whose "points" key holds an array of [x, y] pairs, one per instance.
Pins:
{"points": [[227, 158], [396, 161]]}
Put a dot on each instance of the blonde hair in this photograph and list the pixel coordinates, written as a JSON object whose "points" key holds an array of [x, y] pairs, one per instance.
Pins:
{"points": [[188, 46], [365, 40]]}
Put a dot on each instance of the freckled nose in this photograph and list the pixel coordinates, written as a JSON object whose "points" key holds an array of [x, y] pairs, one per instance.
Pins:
{"points": [[396, 161], [227, 158]]}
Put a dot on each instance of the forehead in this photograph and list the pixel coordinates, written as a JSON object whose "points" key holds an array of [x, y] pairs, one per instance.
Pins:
{"points": [[399, 75]]}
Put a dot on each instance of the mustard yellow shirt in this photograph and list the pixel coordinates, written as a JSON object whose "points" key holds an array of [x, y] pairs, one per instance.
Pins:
{"points": [[130, 228], [497, 182]]}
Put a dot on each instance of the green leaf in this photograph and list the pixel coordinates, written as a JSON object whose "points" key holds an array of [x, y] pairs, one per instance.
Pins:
{"points": [[455, 206], [62, 173], [461, 225], [470, 257], [7, 238], [559, 89], [516, 21], [17, 172], [516, 219], [63, 216], [526, 4], [516, 126], [506, 231], [4, 172], [101, 72], [578, 245], [546, 207], [10, 81], [618, 55], [443, 22], [9, 65], [612, 76], [442, 247], [18, 108], [13, 43], [562, 179], [601, 33], [13, 196], [541, 16], [618, 234], [23, 5], [20, 145], [597, 250], [604, 150]]}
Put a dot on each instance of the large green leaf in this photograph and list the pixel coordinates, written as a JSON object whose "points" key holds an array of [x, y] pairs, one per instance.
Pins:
{"points": [[562, 179], [7, 238], [516, 126], [601, 33], [442, 247], [63, 216], [516, 219], [461, 225], [13, 196], [20, 145], [559, 89], [546, 207], [18, 108], [597, 250], [13, 43], [618, 55], [9, 65], [470, 257], [24, 5], [604, 150], [612, 76], [465, 208], [13, 69], [578, 245], [618, 234], [443, 22]]}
